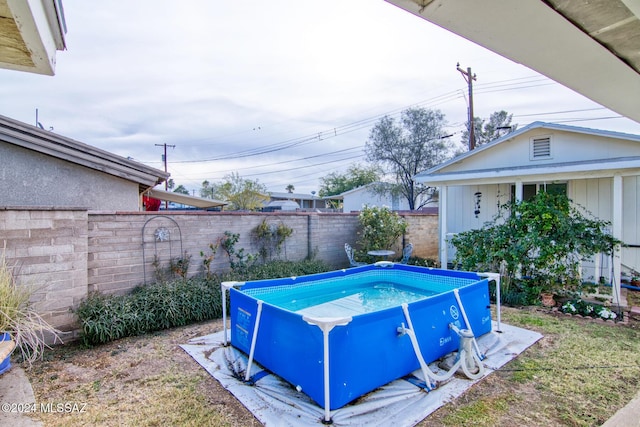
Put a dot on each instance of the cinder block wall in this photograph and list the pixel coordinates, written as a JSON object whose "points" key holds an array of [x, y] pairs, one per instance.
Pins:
{"points": [[67, 253], [48, 251], [119, 242]]}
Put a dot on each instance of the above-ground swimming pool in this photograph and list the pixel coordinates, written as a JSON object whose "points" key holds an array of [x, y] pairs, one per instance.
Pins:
{"points": [[335, 336]]}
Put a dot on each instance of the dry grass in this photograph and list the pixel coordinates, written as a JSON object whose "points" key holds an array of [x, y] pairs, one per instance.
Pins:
{"points": [[579, 374], [140, 381]]}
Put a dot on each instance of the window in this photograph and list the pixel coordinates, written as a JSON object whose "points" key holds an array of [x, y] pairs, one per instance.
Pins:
{"points": [[540, 148], [530, 190]]}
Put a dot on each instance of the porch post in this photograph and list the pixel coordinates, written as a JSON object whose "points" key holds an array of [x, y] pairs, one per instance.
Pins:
{"points": [[442, 218], [519, 191], [616, 225]]}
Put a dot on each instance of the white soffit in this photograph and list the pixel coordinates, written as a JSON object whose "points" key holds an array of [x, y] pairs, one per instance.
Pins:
{"points": [[31, 31], [539, 36]]}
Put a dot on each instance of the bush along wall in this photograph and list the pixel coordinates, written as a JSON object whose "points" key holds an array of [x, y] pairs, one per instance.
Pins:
{"points": [[166, 305], [148, 308]]}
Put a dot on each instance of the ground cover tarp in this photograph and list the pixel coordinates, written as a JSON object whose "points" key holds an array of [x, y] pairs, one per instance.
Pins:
{"points": [[274, 402]]}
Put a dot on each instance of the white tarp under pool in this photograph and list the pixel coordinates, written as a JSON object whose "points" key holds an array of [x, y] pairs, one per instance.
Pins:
{"points": [[274, 402]]}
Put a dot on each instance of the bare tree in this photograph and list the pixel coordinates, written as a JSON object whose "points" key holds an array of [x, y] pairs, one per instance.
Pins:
{"points": [[414, 144]]}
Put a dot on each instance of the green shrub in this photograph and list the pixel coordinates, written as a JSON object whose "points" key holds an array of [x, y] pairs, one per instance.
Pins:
{"points": [[148, 308], [166, 305], [542, 240], [380, 228]]}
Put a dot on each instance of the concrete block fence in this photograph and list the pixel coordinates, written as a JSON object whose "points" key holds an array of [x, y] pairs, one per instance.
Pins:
{"points": [[67, 253]]}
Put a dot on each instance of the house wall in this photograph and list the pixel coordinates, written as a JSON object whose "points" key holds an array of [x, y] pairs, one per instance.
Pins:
{"points": [[29, 178], [354, 201], [67, 253]]}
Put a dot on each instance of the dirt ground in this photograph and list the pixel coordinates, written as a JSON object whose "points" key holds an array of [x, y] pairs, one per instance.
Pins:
{"points": [[150, 381]]}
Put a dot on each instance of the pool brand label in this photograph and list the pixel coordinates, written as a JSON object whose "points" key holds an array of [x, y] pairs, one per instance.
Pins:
{"points": [[445, 340]]}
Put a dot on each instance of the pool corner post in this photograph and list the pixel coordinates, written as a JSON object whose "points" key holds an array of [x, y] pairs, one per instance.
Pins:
{"points": [[224, 288], [496, 278], [326, 324]]}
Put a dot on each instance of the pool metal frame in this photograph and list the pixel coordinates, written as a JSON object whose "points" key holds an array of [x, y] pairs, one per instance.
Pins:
{"points": [[464, 334]]}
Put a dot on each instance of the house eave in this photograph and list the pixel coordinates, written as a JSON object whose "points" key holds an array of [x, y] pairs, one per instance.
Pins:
{"points": [[54, 145], [627, 166], [32, 33], [552, 39]]}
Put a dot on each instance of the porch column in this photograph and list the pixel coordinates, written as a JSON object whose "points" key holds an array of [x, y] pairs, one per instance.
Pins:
{"points": [[519, 191], [616, 231], [442, 219]]}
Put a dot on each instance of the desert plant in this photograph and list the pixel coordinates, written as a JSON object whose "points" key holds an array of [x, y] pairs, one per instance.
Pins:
{"points": [[19, 319]]}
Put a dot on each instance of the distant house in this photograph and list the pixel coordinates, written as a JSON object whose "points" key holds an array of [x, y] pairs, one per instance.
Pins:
{"points": [[355, 199], [599, 170], [304, 201], [44, 169]]}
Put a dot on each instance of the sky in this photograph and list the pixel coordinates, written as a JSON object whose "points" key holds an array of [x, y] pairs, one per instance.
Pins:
{"points": [[282, 92]]}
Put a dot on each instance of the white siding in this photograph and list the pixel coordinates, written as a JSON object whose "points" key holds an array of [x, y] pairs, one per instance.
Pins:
{"points": [[462, 205], [630, 221]]}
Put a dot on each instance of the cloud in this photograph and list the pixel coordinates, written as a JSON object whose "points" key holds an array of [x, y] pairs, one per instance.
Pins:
{"points": [[290, 79]]}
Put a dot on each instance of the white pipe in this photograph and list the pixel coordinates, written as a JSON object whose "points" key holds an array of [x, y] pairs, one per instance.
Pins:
{"points": [[466, 320], [465, 355], [326, 324], [426, 372], [247, 374]]}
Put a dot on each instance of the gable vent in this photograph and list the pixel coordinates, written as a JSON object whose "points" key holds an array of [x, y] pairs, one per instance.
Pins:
{"points": [[541, 148]]}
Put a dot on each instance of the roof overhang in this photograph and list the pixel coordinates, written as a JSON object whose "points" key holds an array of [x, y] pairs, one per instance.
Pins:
{"points": [[57, 146], [184, 199], [627, 166], [31, 31], [591, 47]]}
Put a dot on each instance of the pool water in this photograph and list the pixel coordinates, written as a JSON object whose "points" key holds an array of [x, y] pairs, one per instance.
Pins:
{"points": [[344, 299]]}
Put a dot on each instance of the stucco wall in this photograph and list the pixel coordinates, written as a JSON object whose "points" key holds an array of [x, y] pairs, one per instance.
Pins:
{"points": [[29, 178], [68, 253]]}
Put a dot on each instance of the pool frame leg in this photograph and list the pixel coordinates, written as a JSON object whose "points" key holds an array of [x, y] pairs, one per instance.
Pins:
{"points": [[326, 324], [496, 277], [254, 338], [224, 288]]}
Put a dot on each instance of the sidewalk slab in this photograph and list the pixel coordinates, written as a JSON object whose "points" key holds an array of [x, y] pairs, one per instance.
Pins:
{"points": [[15, 389]]}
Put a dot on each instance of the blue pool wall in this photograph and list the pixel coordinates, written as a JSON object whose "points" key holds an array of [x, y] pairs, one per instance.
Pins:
{"points": [[366, 353]]}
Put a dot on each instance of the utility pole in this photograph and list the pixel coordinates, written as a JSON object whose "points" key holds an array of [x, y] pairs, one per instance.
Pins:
{"points": [[469, 78], [164, 160]]}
